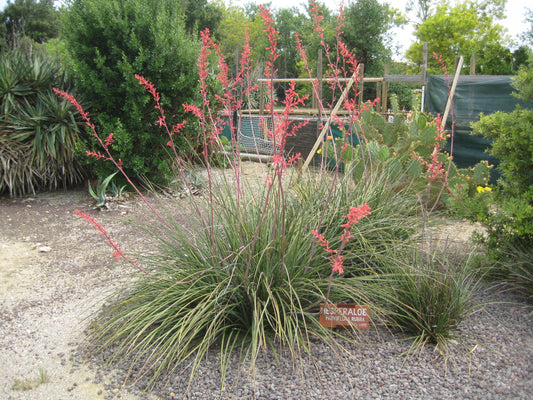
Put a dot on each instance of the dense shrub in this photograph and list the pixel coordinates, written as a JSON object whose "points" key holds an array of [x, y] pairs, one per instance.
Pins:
{"points": [[510, 222], [109, 41]]}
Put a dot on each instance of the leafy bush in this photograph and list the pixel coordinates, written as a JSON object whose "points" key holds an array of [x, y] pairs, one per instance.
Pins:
{"points": [[511, 144], [38, 131], [523, 81], [510, 222], [108, 42]]}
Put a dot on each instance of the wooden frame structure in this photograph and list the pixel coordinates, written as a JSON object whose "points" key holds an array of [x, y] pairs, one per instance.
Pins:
{"points": [[382, 84], [381, 90]]}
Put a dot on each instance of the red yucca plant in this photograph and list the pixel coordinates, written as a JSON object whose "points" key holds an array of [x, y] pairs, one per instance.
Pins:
{"points": [[246, 273]]}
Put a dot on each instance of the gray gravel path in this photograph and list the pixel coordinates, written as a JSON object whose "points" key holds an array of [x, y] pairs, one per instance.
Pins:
{"points": [[497, 363]]}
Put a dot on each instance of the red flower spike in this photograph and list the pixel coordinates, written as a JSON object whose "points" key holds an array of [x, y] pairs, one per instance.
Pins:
{"points": [[356, 213], [354, 216], [109, 140], [149, 87], [118, 252], [337, 263]]}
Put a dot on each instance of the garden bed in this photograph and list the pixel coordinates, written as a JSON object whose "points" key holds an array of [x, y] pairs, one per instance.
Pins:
{"points": [[56, 271]]}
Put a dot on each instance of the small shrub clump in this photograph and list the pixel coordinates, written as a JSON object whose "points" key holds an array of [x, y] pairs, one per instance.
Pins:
{"points": [[509, 238], [38, 131]]}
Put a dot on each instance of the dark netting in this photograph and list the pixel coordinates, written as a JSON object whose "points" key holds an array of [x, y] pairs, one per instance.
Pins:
{"points": [[473, 95]]}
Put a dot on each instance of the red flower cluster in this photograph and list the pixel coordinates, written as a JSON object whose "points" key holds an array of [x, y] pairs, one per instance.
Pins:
{"points": [[442, 63], [272, 35], [435, 168], [149, 86], [354, 216], [336, 259], [72, 100]]}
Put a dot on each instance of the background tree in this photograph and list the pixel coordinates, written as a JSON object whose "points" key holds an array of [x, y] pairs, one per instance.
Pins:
{"points": [[311, 39], [201, 14], [467, 29], [422, 9], [495, 59], [527, 36], [521, 56], [288, 22], [232, 29], [38, 20], [111, 40], [366, 30]]}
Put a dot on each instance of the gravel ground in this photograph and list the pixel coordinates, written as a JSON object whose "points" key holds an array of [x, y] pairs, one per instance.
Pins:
{"points": [[494, 361], [55, 272]]}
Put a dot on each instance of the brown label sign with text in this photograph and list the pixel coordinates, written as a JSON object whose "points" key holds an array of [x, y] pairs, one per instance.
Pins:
{"points": [[344, 315]]}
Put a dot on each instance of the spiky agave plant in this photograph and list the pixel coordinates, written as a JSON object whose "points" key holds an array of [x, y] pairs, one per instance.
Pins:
{"points": [[39, 131]]}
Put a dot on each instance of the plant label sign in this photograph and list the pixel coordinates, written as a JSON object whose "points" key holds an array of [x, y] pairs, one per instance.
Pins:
{"points": [[343, 315]]}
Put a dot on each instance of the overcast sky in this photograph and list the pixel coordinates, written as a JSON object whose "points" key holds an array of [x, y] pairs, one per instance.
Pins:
{"points": [[515, 11]]}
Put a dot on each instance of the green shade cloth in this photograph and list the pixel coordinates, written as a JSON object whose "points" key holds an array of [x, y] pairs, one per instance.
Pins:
{"points": [[473, 95]]}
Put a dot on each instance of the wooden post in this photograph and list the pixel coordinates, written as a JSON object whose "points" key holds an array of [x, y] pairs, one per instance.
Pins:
{"points": [[361, 68], [319, 77], [452, 91], [456, 62], [473, 64], [378, 95], [385, 91], [319, 94], [424, 75], [261, 98], [328, 122]]}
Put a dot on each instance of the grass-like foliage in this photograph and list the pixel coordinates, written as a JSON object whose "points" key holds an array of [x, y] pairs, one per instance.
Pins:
{"points": [[428, 296], [514, 267], [250, 285], [394, 220], [32, 383], [521, 272]]}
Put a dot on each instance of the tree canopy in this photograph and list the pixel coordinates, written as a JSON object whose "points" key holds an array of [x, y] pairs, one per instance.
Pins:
{"points": [[38, 20], [202, 14], [365, 32], [467, 29]]}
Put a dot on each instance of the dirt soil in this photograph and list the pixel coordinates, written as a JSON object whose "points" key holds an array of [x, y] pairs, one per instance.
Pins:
{"points": [[55, 272]]}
